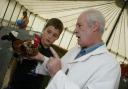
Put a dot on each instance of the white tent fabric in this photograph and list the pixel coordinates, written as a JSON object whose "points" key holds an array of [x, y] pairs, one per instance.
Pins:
{"points": [[68, 11]]}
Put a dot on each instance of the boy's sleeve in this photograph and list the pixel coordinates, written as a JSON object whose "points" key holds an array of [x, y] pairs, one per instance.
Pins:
{"points": [[41, 67]]}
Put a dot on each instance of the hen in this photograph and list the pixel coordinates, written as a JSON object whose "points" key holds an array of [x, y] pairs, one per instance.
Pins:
{"points": [[25, 48]]}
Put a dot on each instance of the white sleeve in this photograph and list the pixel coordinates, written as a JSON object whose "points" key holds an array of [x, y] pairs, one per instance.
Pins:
{"points": [[41, 67], [61, 81]]}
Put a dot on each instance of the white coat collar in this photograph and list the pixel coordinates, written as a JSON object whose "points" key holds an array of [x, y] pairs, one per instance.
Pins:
{"points": [[98, 51]]}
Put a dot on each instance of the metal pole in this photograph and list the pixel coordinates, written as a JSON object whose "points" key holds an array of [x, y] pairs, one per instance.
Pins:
{"points": [[63, 35], [33, 21], [125, 2], [19, 13], [70, 40], [29, 14], [5, 11], [12, 13]]}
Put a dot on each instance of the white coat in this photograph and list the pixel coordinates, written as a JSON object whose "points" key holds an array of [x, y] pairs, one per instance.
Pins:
{"points": [[95, 70]]}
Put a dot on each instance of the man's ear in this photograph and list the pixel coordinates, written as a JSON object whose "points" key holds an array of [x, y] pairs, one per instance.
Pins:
{"points": [[95, 26]]}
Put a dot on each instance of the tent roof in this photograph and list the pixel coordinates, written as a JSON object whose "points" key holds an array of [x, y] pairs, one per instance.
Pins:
{"points": [[115, 15]]}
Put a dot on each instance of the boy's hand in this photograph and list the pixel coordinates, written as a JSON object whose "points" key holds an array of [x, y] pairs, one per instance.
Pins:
{"points": [[54, 63], [39, 57], [54, 53]]}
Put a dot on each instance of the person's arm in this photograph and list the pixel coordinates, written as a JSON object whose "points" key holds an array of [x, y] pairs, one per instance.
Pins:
{"points": [[59, 78], [41, 68], [25, 22], [38, 57], [107, 77]]}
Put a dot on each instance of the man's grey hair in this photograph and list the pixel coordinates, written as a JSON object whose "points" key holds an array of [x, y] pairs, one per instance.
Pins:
{"points": [[92, 16]]}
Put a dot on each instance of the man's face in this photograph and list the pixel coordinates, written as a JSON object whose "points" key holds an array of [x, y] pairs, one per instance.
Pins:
{"points": [[83, 31], [50, 34]]}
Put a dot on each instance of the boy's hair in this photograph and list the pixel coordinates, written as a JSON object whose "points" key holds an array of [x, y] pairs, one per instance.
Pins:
{"points": [[55, 22]]}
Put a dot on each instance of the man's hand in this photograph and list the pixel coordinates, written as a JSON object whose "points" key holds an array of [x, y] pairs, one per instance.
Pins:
{"points": [[54, 64]]}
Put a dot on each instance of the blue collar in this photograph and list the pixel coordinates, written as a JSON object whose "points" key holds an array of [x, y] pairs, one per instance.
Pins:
{"points": [[85, 51], [93, 47]]}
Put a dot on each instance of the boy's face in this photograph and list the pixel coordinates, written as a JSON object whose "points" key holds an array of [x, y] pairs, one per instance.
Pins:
{"points": [[50, 34]]}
